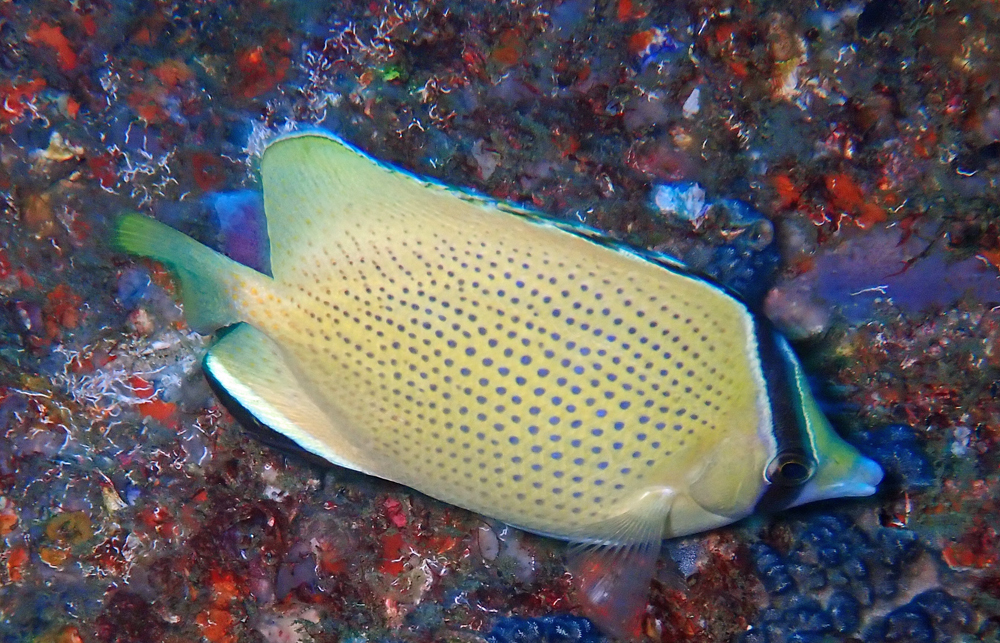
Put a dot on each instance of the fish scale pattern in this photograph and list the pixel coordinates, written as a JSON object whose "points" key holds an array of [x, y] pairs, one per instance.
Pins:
{"points": [[490, 371]]}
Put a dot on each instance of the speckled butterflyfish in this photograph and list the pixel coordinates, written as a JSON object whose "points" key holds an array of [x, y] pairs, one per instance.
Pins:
{"points": [[517, 367]]}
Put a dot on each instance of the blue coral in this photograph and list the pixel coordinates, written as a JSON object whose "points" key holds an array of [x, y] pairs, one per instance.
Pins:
{"points": [[747, 264], [851, 569], [563, 628], [845, 612], [897, 449], [931, 617], [772, 570]]}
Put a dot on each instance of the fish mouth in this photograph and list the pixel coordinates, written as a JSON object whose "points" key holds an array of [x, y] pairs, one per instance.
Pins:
{"points": [[867, 476], [861, 478]]}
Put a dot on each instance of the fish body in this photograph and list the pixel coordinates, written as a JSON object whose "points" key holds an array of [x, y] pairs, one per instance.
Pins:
{"points": [[500, 362]]}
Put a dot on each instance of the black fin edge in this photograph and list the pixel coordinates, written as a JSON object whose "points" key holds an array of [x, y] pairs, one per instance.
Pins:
{"points": [[254, 427]]}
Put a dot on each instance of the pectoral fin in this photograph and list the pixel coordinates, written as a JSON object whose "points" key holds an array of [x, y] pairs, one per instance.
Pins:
{"points": [[613, 578]]}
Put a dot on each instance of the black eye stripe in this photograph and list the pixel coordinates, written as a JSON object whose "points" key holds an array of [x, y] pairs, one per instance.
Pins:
{"points": [[788, 426]]}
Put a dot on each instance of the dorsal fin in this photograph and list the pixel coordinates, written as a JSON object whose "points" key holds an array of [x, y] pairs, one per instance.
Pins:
{"points": [[304, 178], [308, 174]]}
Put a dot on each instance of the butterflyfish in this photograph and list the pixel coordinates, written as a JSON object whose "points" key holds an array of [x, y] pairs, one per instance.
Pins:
{"points": [[528, 370]]}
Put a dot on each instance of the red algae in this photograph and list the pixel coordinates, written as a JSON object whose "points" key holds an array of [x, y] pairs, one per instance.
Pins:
{"points": [[52, 36], [17, 97]]}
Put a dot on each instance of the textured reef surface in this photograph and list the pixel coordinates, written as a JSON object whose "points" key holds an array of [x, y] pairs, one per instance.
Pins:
{"points": [[843, 157]]}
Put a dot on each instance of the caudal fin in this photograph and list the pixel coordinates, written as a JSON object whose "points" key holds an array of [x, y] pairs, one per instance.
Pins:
{"points": [[208, 279]]}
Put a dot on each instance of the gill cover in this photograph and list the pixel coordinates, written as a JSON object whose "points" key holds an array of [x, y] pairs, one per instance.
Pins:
{"points": [[725, 484]]}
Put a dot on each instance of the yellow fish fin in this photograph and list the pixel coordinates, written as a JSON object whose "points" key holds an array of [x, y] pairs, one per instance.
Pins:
{"points": [[613, 578], [314, 186], [251, 367], [208, 279]]}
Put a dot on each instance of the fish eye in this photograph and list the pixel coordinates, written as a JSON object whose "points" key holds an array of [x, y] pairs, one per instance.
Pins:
{"points": [[790, 469]]}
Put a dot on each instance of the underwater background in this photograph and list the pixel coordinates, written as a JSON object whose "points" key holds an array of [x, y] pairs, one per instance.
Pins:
{"points": [[843, 157]]}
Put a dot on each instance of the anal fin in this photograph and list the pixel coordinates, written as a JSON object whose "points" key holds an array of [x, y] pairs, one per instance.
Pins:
{"points": [[252, 369], [613, 577]]}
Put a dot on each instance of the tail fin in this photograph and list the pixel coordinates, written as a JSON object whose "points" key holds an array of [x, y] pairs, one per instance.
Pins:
{"points": [[208, 279]]}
